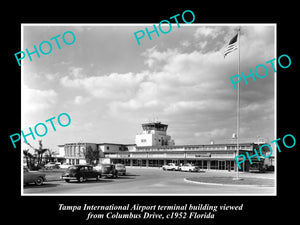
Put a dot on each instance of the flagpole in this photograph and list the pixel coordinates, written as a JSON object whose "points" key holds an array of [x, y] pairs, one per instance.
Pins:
{"points": [[238, 106], [231, 47]]}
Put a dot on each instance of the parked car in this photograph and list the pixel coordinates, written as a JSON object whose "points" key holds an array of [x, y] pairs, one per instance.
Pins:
{"points": [[33, 177], [121, 169], [189, 167], [52, 165], [65, 166], [108, 170], [80, 173], [269, 168], [257, 168], [170, 166]]}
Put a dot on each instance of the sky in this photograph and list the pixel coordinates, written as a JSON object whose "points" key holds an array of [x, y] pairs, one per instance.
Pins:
{"points": [[110, 85]]}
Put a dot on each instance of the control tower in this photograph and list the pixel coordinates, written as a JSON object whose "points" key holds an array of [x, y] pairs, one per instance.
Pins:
{"points": [[154, 134]]}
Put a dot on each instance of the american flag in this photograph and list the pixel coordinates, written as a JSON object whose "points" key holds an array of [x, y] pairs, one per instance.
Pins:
{"points": [[232, 45]]}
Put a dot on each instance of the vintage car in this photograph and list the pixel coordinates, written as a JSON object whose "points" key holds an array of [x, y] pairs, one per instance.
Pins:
{"points": [[33, 177], [121, 169], [52, 165], [170, 166], [65, 166], [80, 173], [107, 170], [257, 168], [189, 167]]}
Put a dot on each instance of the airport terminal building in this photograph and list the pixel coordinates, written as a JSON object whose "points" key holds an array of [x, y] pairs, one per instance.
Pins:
{"points": [[154, 148]]}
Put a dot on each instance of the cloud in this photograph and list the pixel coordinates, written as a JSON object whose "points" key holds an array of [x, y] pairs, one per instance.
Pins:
{"points": [[35, 100], [81, 100], [185, 43], [190, 89], [179, 89], [211, 32], [76, 72], [155, 57], [111, 86], [211, 38]]}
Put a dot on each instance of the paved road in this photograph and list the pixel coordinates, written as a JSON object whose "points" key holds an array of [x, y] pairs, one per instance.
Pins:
{"points": [[142, 181]]}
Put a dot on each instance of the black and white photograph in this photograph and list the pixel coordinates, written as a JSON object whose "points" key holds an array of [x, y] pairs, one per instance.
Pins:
{"points": [[148, 114], [144, 109]]}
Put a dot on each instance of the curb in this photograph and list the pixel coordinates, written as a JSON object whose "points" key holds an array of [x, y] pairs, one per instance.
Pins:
{"points": [[222, 184]]}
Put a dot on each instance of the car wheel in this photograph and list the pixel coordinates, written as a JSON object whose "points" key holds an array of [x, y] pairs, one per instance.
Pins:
{"points": [[164, 168], [81, 179], [190, 170], [173, 169], [39, 181], [98, 177], [67, 180]]}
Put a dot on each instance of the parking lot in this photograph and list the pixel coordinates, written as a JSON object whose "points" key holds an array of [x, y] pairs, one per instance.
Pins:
{"points": [[144, 181]]}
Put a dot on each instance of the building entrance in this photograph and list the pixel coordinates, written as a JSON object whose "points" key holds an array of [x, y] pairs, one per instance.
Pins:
{"points": [[221, 165], [139, 162]]}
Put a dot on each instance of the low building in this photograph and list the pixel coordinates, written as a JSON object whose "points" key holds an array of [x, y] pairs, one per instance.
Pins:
{"points": [[75, 152], [154, 148], [207, 157]]}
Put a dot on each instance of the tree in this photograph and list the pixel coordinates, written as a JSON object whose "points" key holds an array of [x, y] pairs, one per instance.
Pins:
{"points": [[49, 155], [28, 157], [40, 151], [92, 155]]}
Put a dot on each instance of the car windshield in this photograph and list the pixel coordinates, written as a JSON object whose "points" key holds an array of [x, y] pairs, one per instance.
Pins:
{"points": [[72, 168], [120, 166]]}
